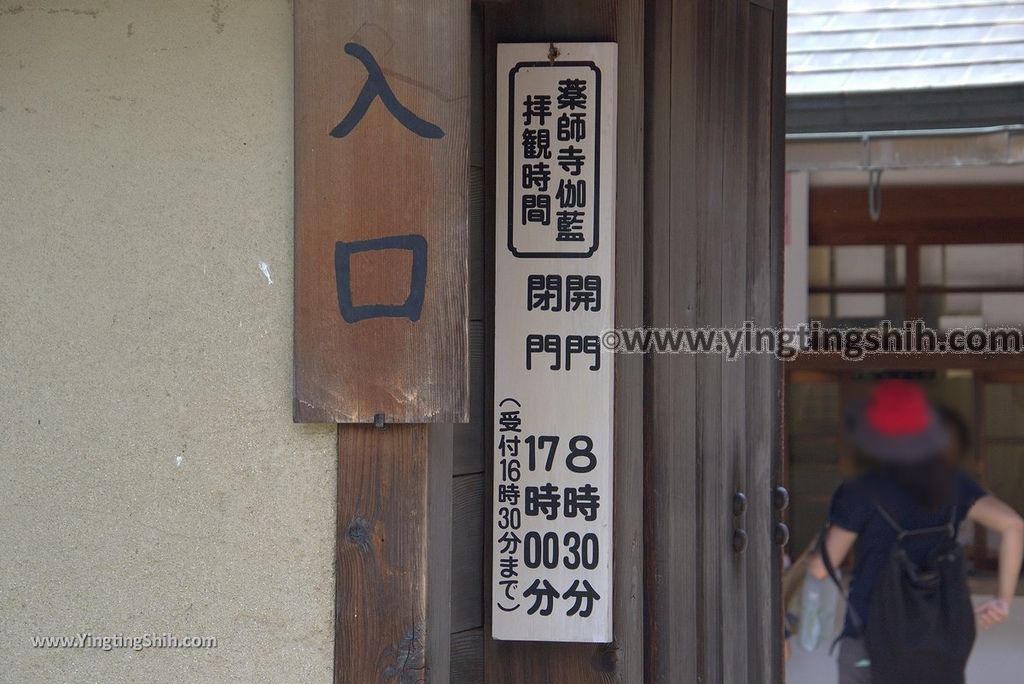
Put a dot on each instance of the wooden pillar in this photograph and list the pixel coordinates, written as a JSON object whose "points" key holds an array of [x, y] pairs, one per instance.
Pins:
{"points": [[392, 609], [912, 288], [714, 160], [622, 22]]}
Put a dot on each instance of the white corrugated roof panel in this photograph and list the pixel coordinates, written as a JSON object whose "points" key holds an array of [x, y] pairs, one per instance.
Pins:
{"points": [[840, 46]]}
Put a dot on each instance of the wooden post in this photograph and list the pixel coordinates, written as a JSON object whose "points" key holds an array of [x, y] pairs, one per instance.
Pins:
{"points": [[392, 610], [381, 603], [912, 288]]}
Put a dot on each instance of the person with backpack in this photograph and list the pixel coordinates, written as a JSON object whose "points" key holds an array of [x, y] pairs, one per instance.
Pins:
{"points": [[909, 614]]}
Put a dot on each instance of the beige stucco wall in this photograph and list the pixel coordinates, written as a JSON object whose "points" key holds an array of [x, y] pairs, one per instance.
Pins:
{"points": [[151, 479]]}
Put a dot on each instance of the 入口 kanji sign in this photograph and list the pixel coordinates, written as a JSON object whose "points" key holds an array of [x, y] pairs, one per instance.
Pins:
{"points": [[381, 212], [554, 294]]}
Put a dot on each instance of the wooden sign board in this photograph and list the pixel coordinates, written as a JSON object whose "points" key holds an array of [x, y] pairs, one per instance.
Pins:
{"points": [[554, 295], [381, 211]]}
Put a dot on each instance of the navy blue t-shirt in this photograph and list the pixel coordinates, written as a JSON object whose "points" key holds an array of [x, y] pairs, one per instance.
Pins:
{"points": [[853, 508]]}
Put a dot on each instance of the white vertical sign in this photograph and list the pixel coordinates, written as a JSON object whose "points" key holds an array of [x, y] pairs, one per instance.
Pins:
{"points": [[554, 295]]}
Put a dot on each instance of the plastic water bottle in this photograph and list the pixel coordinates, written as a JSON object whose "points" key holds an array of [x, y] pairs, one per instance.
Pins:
{"points": [[810, 614]]}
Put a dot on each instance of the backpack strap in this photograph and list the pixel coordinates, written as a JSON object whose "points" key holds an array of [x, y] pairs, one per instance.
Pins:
{"points": [[901, 534], [858, 624], [889, 519]]}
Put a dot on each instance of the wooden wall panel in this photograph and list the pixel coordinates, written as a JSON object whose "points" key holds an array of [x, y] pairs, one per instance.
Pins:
{"points": [[671, 485], [733, 652], [470, 449], [711, 261], [467, 579], [381, 151], [628, 647], [467, 520], [468, 657]]}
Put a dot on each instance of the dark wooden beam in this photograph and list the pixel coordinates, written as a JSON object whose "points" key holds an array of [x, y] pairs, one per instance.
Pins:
{"points": [[954, 214], [907, 110], [923, 289], [822, 361]]}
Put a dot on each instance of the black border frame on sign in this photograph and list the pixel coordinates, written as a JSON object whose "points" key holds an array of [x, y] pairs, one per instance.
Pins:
{"points": [[597, 160]]}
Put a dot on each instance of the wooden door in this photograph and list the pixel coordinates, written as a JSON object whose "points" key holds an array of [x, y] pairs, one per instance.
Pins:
{"points": [[715, 88]]}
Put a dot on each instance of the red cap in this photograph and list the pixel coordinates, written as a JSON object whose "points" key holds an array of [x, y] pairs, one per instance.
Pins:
{"points": [[897, 408]]}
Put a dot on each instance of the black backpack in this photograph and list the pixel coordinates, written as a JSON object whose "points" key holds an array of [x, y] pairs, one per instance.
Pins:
{"points": [[920, 624]]}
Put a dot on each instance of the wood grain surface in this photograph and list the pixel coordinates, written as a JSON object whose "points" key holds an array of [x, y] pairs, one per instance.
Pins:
{"points": [[955, 214], [381, 616], [381, 151], [712, 259]]}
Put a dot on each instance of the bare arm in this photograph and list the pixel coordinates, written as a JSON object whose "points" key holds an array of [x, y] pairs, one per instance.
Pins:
{"points": [[838, 543], [995, 515]]}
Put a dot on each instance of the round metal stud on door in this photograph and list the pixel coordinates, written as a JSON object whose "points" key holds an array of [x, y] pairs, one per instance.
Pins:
{"points": [[780, 501], [780, 534], [780, 498], [739, 504], [739, 535], [739, 540]]}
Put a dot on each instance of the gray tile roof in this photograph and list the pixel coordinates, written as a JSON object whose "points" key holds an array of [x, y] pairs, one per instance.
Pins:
{"points": [[839, 46]]}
